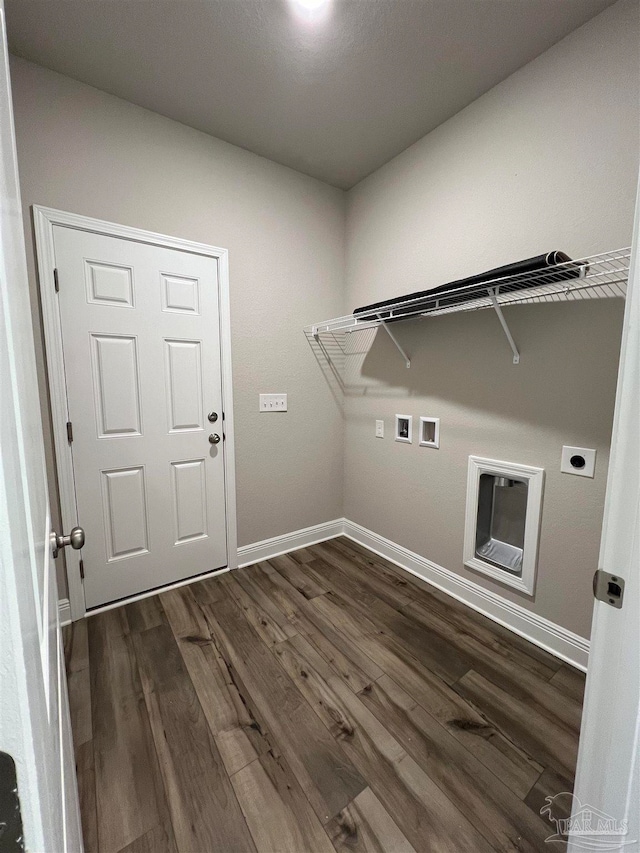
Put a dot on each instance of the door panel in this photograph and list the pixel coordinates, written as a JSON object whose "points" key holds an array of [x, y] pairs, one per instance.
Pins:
{"points": [[180, 294], [189, 500], [140, 333], [109, 284], [116, 385], [183, 366], [124, 501]]}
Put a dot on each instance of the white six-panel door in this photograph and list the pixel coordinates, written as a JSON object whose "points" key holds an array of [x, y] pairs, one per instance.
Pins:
{"points": [[141, 343]]}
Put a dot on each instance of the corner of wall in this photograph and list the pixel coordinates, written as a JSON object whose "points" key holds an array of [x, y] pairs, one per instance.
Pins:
{"points": [[547, 159]]}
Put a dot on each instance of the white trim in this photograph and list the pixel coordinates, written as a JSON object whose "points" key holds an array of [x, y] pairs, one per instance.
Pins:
{"points": [[45, 260], [277, 545], [126, 232], [436, 432], [44, 220], [409, 420], [526, 580], [224, 308], [608, 767], [555, 639], [246, 556], [148, 593], [64, 612]]}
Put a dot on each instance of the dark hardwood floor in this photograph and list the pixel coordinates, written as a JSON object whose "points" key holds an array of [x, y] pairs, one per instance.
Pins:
{"points": [[323, 700]]}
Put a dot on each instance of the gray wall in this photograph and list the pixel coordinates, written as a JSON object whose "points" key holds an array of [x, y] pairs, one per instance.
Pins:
{"points": [[84, 151], [546, 160]]}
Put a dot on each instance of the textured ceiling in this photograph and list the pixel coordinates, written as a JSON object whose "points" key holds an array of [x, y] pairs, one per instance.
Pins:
{"points": [[335, 98]]}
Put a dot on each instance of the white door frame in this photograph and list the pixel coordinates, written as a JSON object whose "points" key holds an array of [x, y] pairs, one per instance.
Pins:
{"points": [[44, 219], [608, 771]]}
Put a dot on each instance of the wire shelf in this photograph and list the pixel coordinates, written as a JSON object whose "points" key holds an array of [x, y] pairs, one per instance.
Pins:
{"points": [[597, 277], [600, 277]]}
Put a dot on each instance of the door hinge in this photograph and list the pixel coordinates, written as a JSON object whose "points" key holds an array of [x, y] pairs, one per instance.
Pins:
{"points": [[56, 281], [608, 588], [69, 432], [81, 568]]}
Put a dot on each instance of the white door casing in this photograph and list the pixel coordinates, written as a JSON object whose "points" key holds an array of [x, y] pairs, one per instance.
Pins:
{"points": [[45, 219], [34, 718], [608, 771], [138, 352]]}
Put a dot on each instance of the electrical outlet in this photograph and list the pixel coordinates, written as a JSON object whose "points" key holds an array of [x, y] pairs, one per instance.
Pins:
{"points": [[273, 402], [379, 429], [578, 460]]}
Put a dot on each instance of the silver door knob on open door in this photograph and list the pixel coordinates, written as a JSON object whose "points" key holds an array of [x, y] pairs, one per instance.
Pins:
{"points": [[75, 539], [214, 438]]}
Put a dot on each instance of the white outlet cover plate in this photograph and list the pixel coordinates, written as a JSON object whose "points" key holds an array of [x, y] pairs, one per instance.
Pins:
{"points": [[273, 402], [379, 429], [586, 453]]}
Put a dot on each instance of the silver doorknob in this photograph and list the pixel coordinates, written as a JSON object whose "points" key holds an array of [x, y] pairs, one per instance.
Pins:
{"points": [[75, 539], [214, 438]]}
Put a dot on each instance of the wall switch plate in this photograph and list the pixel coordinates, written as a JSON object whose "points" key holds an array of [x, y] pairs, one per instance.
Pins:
{"points": [[273, 402], [379, 429], [578, 460]]}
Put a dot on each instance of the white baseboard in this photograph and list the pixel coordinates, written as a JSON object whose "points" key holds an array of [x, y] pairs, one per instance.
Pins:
{"points": [[64, 612], [247, 555], [268, 548], [555, 639], [559, 641]]}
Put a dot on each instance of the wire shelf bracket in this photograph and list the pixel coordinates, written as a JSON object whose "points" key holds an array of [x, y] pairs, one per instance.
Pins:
{"points": [[600, 276], [385, 326], [505, 327]]}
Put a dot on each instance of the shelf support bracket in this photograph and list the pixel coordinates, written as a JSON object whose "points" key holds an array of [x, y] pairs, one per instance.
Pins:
{"points": [[514, 349], [407, 360]]}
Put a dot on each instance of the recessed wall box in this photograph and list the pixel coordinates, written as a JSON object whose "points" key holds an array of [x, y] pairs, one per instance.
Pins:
{"points": [[404, 428], [504, 503], [430, 432]]}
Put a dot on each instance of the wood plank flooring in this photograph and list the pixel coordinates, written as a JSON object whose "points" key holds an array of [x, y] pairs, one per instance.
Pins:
{"points": [[320, 701]]}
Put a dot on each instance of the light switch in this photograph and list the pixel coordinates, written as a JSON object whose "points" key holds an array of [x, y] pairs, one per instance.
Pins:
{"points": [[379, 429], [273, 402]]}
